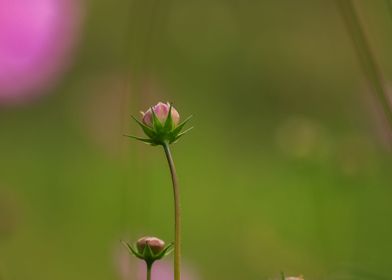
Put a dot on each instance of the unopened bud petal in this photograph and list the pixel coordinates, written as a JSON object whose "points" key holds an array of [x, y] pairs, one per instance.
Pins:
{"points": [[161, 110], [156, 244]]}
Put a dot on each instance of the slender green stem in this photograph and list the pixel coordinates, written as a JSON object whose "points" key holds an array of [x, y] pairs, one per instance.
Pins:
{"points": [[149, 266], [365, 55], [177, 213]]}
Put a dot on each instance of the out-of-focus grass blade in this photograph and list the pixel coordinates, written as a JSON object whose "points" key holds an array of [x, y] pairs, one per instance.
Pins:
{"points": [[365, 55]]}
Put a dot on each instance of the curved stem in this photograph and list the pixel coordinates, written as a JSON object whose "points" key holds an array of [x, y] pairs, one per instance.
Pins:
{"points": [[177, 213], [149, 266]]}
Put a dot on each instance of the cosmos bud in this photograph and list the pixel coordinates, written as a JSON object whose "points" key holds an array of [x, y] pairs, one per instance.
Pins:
{"points": [[155, 244], [161, 124], [161, 111], [150, 249]]}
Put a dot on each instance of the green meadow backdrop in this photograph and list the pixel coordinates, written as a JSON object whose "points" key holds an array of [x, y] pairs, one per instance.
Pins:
{"points": [[288, 167]]}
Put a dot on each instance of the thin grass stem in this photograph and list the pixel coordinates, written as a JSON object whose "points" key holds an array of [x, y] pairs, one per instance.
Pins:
{"points": [[366, 55]]}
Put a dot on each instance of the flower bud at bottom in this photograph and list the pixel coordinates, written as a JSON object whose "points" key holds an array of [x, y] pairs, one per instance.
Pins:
{"points": [[156, 244]]}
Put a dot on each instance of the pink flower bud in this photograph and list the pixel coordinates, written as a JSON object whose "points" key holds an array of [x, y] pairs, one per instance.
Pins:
{"points": [[161, 110], [156, 244], [163, 270]]}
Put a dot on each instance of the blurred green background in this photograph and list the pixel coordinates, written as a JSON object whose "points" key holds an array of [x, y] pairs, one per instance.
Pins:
{"points": [[288, 167]]}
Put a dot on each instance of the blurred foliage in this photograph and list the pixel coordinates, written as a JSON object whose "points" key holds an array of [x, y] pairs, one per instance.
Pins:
{"points": [[287, 169]]}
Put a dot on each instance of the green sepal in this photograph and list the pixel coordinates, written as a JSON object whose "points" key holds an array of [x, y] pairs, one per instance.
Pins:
{"points": [[132, 250], [282, 275], [145, 140], [178, 136], [166, 251], [156, 123], [148, 254], [169, 248], [169, 120], [178, 129], [147, 130]]}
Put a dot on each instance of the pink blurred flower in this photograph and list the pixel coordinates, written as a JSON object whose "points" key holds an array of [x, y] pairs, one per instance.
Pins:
{"points": [[36, 37], [129, 267], [163, 270], [294, 278]]}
